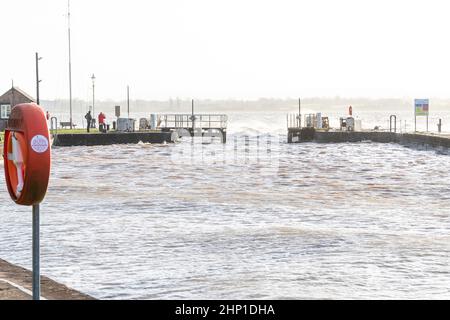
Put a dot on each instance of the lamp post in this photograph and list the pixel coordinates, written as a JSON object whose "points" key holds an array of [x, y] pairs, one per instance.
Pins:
{"points": [[93, 95]]}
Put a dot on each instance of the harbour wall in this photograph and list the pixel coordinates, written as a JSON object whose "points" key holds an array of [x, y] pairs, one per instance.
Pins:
{"points": [[407, 139], [102, 139]]}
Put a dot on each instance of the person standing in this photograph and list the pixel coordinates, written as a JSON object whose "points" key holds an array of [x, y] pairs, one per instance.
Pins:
{"points": [[88, 118], [101, 121]]}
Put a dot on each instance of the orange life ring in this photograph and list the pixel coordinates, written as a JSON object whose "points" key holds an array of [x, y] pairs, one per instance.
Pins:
{"points": [[27, 124]]}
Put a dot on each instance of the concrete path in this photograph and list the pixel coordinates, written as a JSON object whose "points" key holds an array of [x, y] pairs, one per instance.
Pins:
{"points": [[10, 292], [15, 284]]}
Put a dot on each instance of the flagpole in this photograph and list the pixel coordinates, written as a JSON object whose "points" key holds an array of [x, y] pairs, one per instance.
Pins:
{"points": [[70, 65]]}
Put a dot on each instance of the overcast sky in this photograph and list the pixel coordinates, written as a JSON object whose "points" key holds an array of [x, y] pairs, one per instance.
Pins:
{"points": [[229, 48]]}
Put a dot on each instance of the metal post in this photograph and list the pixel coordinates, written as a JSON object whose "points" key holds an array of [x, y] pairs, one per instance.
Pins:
{"points": [[299, 113], [394, 118], [93, 96], [11, 100], [415, 123], [93, 99], [36, 249], [37, 78], [70, 66], [193, 118], [128, 101], [427, 122]]}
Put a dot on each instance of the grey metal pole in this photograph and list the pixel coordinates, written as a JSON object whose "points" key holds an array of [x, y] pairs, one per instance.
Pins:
{"points": [[93, 99], [70, 65], [37, 78], [36, 251], [299, 113], [193, 119], [93, 96], [128, 101]]}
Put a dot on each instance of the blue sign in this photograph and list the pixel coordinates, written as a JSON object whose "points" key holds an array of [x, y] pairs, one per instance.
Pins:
{"points": [[422, 107]]}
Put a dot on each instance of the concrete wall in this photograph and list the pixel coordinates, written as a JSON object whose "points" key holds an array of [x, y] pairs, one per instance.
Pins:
{"points": [[407, 139], [424, 140], [102, 139], [346, 136]]}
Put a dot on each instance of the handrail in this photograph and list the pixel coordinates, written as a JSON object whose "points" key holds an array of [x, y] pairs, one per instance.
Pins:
{"points": [[393, 117], [55, 127], [199, 120], [293, 120]]}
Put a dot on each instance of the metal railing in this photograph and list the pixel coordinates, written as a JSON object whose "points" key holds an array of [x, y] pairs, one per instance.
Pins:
{"points": [[54, 125], [293, 120], [393, 123], [179, 121]]}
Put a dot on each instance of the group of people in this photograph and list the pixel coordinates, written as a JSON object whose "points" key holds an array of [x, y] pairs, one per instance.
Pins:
{"points": [[89, 120]]}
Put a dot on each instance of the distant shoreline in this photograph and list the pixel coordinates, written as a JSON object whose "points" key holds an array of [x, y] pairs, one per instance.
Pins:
{"points": [[237, 105]]}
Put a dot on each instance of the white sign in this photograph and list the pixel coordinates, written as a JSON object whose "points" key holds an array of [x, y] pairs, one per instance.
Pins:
{"points": [[39, 144]]}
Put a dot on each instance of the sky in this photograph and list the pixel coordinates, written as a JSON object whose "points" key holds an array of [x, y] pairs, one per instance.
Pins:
{"points": [[239, 49]]}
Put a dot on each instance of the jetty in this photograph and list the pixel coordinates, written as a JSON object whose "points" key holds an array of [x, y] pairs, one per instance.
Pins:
{"points": [[419, 138], [298, 134], [195, 125], [159, 129]]}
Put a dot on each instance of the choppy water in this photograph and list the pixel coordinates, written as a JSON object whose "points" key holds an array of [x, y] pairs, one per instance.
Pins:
{"points": [[207, 221]]}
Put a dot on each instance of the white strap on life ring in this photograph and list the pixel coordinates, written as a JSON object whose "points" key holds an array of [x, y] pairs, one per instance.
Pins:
{"points": [[17, 158]]}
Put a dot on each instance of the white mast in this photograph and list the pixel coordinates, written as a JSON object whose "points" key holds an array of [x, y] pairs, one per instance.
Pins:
{"points": [[70, 65]]}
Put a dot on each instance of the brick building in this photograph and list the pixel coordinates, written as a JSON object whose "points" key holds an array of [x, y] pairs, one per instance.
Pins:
{"points": [[8, 100]]}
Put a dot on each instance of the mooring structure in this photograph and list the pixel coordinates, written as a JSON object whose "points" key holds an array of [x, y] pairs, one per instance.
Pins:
{"points": [[195, 125]]}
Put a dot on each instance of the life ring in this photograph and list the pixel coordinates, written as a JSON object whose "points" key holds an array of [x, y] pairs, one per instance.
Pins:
{"points": [[26, 153]]}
